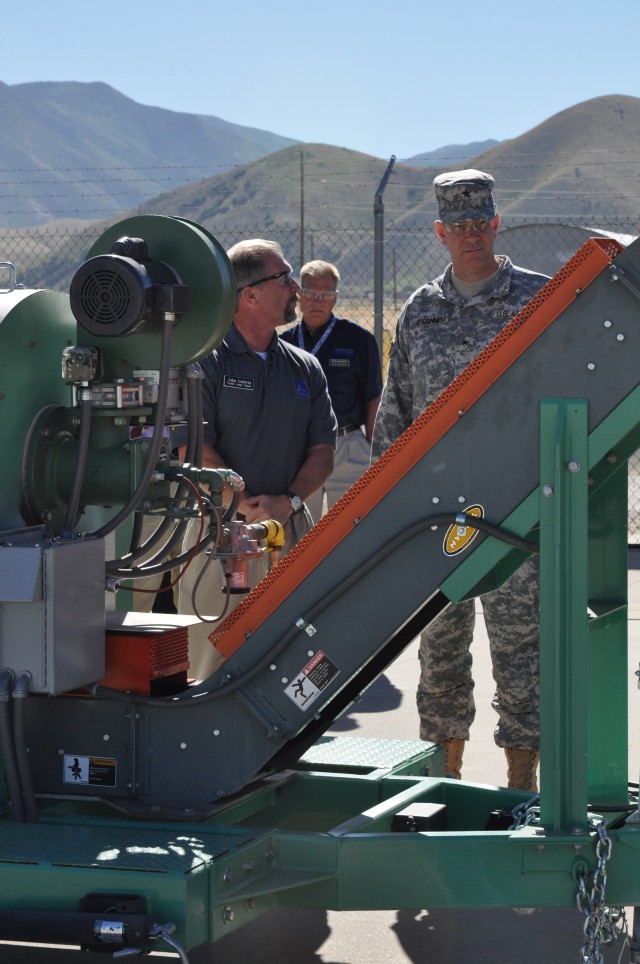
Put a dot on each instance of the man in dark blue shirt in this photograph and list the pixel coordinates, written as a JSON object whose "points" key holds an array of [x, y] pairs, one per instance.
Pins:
{"points": [[268, 417], [350, 360]]}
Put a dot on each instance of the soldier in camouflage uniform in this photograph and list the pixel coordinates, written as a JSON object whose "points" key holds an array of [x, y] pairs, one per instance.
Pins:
{"points": [[442, 327]]}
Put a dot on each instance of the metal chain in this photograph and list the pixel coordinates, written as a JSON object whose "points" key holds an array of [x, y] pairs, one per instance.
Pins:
{"points": [[603, 925], [526, 813]]}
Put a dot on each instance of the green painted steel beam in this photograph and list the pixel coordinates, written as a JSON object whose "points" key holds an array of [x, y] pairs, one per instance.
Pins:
{"points": [[563, 614]]}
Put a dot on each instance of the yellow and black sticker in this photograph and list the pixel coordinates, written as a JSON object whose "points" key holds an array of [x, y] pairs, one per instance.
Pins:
{"points": [[459, 536]]}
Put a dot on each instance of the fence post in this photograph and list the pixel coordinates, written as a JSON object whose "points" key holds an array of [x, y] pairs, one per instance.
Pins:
{"points": [[378, 255]]}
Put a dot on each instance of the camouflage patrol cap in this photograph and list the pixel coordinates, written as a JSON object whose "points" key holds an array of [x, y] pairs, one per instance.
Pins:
{"points": [[464, 196]]}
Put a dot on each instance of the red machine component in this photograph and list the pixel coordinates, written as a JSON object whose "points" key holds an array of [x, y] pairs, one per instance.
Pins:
{"points": [[146, 653]]}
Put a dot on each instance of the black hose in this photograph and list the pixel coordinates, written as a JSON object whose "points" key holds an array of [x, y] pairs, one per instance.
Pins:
{"points": [[20, 693], [193, 456], [81, 465], [230, 686], [11, 772], [156, 439]]}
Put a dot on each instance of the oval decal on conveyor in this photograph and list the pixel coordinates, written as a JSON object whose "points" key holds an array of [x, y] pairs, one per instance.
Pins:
{"points": [[459, 537]]}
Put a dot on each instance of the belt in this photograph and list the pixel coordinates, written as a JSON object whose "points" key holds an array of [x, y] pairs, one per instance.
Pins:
{"points": [[345, 429]]}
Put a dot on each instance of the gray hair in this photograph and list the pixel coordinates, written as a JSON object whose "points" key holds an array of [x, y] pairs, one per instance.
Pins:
{"points": [[247, 259], [319, 269]]}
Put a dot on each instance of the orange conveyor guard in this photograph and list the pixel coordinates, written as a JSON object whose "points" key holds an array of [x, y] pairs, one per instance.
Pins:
{"points": [[586, 264]]}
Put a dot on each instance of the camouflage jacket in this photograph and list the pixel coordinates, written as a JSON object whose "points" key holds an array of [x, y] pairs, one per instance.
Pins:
{"points": [[438, 333]]}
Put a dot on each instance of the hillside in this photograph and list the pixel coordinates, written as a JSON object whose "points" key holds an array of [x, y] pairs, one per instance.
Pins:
{"points": [[579, 166], [580, 163], [326, 184], [85, 150], [452, 154]]}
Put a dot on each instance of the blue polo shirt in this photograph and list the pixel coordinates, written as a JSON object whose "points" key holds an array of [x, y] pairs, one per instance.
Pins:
{"points": [[351, 362], [263, 415]]}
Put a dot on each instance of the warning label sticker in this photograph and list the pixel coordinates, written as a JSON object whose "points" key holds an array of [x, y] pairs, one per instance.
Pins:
{"points": [[311, 681], [93, 771]]}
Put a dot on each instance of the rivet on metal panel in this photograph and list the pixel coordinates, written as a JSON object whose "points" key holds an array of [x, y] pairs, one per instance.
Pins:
{"points": [[574, 465], [547, 490], [228, 915], [591, 366]]}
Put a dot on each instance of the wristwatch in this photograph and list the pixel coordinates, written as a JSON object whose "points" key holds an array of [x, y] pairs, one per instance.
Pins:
{"points": [[295, 502]]}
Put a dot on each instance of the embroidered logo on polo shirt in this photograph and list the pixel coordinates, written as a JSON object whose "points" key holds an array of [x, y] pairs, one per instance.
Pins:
{"points": [[234, 381], [302, 390], [341, 358]]}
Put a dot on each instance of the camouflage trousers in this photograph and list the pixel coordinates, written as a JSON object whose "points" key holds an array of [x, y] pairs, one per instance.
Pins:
{"points": [[445, 692]]}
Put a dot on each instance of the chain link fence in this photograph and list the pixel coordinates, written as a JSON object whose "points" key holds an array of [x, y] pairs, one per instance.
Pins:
{"points": [[412, 254]]}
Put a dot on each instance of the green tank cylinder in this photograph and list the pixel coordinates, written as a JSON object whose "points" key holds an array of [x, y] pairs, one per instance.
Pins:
{"points": [[35, 328], [40, 413]]}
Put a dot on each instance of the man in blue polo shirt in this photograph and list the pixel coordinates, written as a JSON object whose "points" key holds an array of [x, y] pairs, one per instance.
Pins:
{"points": [[350, 359], [268, 417]]}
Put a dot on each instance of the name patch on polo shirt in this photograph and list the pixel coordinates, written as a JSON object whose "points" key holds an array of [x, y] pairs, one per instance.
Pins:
{"points": [[235, 381], [341, 358]]}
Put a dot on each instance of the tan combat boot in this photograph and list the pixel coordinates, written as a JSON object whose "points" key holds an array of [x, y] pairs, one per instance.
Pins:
{"points": [[522, 766], [453, 750]]}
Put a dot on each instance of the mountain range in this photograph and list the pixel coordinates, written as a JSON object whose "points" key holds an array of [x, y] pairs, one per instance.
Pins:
{"points": [[581, 165], [86, 150]]}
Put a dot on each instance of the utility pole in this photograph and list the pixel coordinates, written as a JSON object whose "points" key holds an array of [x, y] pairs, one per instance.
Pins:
{"points": [[301, 208], [378, 255]]}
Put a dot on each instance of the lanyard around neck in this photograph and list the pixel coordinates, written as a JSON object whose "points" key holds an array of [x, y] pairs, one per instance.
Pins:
{"points": [[318, 345]]}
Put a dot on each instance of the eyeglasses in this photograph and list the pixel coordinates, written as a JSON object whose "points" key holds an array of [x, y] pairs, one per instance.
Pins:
{"points": [[317, 295], [287, 277], [461, 227]]}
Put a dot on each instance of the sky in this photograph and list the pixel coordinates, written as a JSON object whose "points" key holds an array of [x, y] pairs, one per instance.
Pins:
{"points": [[398, 78]]}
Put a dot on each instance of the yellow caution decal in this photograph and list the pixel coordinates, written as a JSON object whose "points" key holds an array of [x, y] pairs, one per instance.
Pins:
{"points": [[459, 536]]}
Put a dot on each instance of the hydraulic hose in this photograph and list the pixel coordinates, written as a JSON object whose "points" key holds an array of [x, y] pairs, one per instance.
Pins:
{"points": [[157, 438], [11, 772], [81, 465], [204, 695], [20, 694]]}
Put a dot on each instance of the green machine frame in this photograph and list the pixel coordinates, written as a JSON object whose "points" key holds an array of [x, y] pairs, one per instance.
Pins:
{"points": [[317, 833]]}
